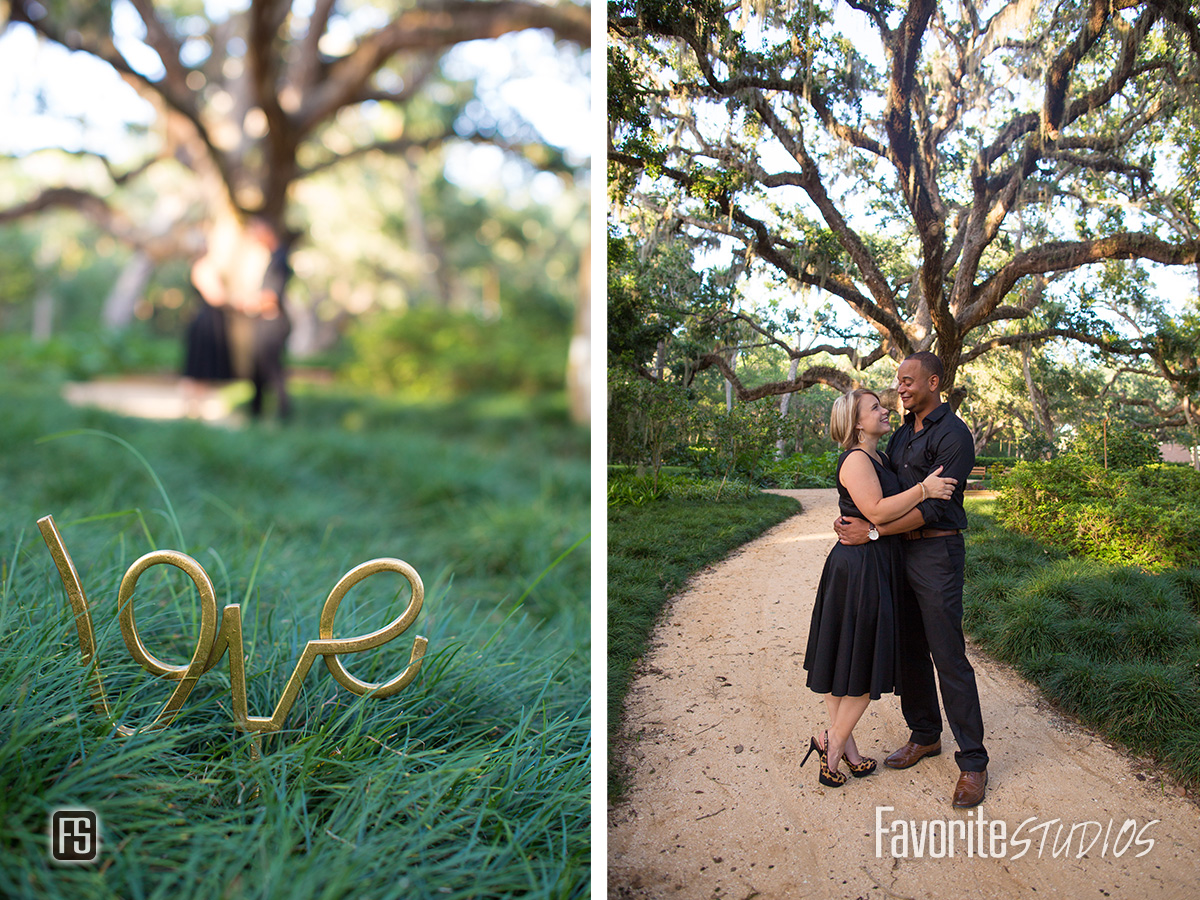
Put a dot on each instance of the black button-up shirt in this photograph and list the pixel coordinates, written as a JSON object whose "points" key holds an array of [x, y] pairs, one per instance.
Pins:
{"points": [[946, 441]]}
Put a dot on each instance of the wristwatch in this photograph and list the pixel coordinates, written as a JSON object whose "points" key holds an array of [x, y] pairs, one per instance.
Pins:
{"points": [[873, 533]]}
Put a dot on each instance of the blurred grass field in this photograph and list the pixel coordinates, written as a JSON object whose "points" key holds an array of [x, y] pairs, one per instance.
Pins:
{"points": [[471, 782]]}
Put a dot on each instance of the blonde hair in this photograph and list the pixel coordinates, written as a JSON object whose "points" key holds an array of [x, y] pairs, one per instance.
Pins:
{"points": [[843, 420]]}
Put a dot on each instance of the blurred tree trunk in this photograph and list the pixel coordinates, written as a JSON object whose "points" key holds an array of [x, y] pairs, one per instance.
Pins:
{"points": [[122, 300], [43, 315], [421, 244], [579, 358]]}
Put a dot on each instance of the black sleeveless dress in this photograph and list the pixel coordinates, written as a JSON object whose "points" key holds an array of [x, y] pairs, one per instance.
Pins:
{"points": [[852, 638]]}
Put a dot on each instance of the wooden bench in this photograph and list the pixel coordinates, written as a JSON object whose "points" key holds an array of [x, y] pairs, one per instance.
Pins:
{"points": [[978, 473]]}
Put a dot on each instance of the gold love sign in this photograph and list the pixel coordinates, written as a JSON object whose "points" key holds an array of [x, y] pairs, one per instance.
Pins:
{"points": [[214, 641]]}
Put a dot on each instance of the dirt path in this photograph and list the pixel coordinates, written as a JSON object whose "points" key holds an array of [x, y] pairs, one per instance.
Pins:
{"points": [[719, 807], [153, 397]]}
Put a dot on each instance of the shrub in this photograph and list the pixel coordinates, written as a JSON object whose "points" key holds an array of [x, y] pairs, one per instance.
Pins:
{"points": [[743, 438], [1112, 644], [634, 490], [83, 355], [1116, 446], [802, 470], [691, 488], [637, 490], [646, 420], [1149, 517], [440, 353]]}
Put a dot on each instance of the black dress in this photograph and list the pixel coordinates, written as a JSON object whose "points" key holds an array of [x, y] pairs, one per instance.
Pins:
{"points": [[206, 345], [852, 638]]}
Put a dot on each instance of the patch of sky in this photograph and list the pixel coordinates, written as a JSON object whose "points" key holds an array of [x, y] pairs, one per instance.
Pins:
{"points": [[53, 97], [527, 88]]}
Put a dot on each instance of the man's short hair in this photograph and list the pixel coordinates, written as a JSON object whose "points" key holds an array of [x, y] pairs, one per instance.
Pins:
{"points": [[931, 363]]}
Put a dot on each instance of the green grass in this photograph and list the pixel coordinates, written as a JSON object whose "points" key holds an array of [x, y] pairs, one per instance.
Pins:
{"points": [[471, 782], [1111, 644], [652, 550]]}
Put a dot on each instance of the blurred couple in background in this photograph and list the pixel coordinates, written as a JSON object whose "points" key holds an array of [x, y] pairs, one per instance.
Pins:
{"points": [[241, 328]]}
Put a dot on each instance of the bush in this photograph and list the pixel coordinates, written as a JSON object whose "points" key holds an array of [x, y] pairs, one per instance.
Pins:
{"points": [[690, 488], [1149, 517], [646, 420], [79, 356], [803, 470], [638, 490], [439, 353], [1116, 446], [634, 490], [1113, 645], [743, 438]]}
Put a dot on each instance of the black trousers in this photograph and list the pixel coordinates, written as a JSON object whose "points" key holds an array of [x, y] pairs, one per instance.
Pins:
{"points": [[931, 637], [269, 372]]}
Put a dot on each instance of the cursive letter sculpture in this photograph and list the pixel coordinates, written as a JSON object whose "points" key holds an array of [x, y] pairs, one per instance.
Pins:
{"points": [[213, 642]]}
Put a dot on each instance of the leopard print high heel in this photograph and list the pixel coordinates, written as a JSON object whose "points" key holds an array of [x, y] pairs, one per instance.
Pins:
{"points": [[862, 768], [829, 777], [813, 747]]}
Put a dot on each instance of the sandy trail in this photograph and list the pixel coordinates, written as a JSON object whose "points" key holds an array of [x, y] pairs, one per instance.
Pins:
{"points": [[719, 807]]}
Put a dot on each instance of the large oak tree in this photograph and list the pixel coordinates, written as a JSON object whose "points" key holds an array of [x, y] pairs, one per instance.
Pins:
{"points": [[942, 169], [255, 101]]}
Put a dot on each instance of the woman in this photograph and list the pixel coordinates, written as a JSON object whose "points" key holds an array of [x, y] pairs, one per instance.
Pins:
{"points": [[205, 345], [851, 655]]}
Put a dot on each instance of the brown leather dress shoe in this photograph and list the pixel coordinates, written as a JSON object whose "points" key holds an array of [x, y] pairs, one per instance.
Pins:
{"points": [[970, 788], [910, 753]]}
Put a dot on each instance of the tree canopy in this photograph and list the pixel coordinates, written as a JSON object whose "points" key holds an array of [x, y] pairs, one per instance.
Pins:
{"points": [[249, 100], [961, 177]]}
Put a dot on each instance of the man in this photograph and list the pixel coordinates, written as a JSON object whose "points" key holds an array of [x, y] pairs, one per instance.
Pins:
{"points": [[930, 603]]}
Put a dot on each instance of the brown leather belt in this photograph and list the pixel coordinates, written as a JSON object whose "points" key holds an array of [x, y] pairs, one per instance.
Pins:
{"points": [[927, 533]]}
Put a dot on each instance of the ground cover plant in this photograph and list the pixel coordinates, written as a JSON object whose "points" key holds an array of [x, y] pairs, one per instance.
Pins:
{"points": [[471, 782], [653, 548], [631, 489], [1114, 645]]}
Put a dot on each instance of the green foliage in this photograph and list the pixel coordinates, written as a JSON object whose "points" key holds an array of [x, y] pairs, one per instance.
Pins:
{"points": [[652, 550], [645, 419], [1149, 517], [634, 490], [748, 81], [1035, 445], [634, 326], [806, 427], [1116, 446], [1002, 462], [429, 352], [474, 781], [803, 470], [1117, 647], [651, 293], [627, 489], [82, 355], [18, 275], [743, 438]]}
